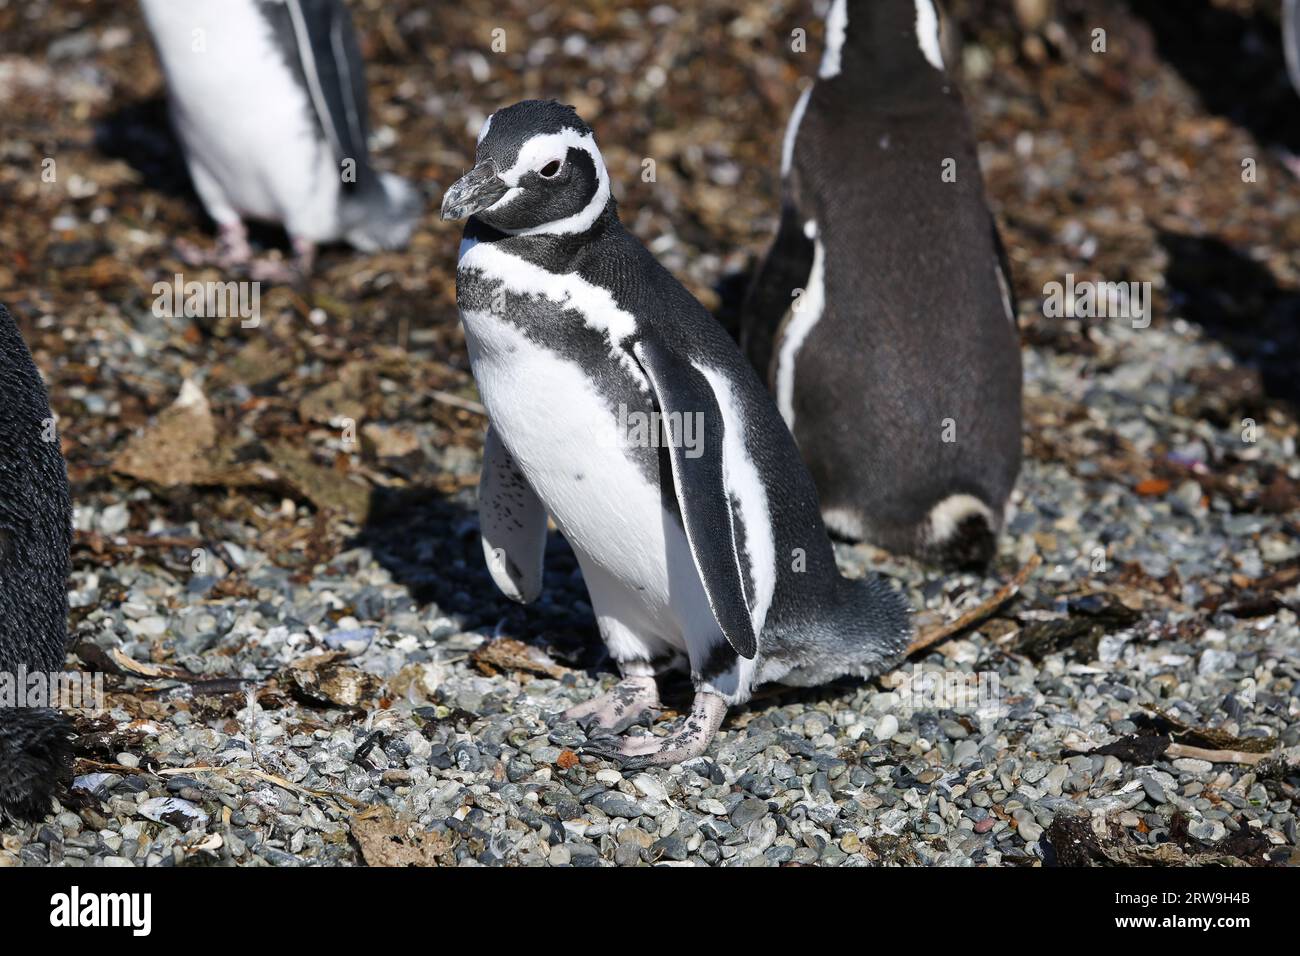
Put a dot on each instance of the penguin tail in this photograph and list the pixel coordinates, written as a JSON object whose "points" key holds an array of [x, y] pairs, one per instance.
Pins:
{"points": [[960, 531], [35, 760], [382, 218], [871, 624]]}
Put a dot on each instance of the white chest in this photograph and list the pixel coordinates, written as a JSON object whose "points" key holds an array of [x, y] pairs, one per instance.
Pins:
{"points": [[562, 432], [571, 446]]}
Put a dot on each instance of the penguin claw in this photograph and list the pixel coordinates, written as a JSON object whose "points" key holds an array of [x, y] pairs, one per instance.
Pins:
{"points": [[587, 724], [618, 751], [640, 763], [605, 748]]}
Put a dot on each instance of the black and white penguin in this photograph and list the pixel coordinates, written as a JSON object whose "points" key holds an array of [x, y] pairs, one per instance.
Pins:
{"points": [[882, 316], [700, 539], [35, 541], [268, 98]]}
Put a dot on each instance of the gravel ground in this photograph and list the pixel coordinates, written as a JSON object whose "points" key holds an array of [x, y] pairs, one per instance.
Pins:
{"points": [[304, 658]]}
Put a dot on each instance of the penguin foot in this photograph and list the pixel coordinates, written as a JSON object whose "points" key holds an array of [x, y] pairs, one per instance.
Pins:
{"points": [[294, 273], [279, 271], [232, 245], [633, 700], [304, 256], [232, 250], [233, 253], [688, 740]]}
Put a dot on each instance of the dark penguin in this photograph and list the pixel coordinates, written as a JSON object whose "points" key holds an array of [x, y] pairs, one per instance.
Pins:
{"points": [[269, 101], [619, 407], [882, 317], [35, 540]]}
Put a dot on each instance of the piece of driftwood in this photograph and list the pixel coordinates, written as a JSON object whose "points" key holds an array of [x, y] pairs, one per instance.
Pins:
{"points": [[979, 612]]}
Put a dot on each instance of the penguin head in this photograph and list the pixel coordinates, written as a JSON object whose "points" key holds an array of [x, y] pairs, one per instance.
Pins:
{"points": [[536, 171]]}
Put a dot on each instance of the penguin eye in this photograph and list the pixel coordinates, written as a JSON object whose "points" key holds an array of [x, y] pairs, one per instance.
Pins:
{"points": [[550, 170]]}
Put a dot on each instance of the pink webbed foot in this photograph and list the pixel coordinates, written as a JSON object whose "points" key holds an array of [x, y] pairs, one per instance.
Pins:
{"points": [[234, 253], [232, 250], [689, 738], [288, 273], [633, 700]]}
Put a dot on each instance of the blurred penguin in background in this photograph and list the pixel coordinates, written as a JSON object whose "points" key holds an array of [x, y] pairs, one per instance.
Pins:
{"points": [[268, 98], [35, 542], [1291, 40], [882, 316]]}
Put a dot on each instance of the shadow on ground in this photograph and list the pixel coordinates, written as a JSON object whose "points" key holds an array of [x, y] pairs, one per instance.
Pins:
{"points": [[1237, 301], [1234, 62], [429, 542]]}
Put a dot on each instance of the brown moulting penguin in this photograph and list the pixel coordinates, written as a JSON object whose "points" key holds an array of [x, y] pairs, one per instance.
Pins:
{"points": [[700, 541], [882, 317], [35, 542], [268, 98]]}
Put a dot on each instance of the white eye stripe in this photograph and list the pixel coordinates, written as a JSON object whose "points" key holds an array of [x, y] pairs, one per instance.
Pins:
{"points": [[540, 150], [534, 155]]}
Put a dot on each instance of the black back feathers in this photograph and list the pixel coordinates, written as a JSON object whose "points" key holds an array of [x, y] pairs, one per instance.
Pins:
{"points": [[35, 540]]}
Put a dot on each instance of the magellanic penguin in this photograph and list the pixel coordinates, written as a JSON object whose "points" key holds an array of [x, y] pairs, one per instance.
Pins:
{"points": [[268, 98], [619, 407], [35, 541], [882, 317]]}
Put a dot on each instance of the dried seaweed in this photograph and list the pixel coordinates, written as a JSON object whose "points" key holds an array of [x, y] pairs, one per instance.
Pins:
{"points": [[1073, 841]]}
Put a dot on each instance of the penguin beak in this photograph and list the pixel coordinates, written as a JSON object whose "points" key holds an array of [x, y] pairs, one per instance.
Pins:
{"points": [[475, 191]]}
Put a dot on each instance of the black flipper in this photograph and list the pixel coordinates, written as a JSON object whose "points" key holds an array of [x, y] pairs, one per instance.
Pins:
{"points": [[785, 268], [335, 74], [701, 489], [512, 521], [378, 210]]}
